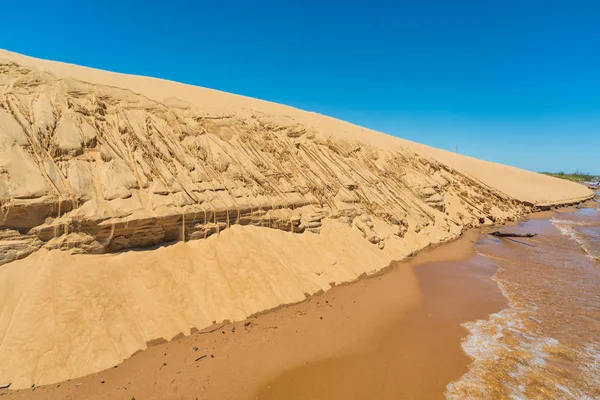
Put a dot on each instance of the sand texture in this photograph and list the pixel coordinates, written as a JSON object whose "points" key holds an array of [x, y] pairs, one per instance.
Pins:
{"points": [[266, 204]]}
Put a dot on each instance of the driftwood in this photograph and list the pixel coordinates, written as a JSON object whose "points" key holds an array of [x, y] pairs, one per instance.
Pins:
{"points": [[501, 234]]}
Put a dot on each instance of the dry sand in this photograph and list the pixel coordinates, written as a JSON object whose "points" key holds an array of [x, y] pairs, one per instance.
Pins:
{"points": [[396, 334], [267, 203], [515, 182], [102, 308]]}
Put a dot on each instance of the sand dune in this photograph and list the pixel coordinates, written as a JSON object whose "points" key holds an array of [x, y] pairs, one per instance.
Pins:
{"points": [[267, 204]]}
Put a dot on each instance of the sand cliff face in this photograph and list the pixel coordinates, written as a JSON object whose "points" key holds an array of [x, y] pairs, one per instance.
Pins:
{"points": [[98, 169], [268, 204]]}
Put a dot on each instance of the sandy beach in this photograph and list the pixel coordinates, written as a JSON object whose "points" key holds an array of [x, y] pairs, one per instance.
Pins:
{"points": [[394, 335], [397, 334], [414, 355], [140, 216]]}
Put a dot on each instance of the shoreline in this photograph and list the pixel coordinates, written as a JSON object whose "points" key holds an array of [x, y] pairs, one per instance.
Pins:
{"points": [[344, 320], [548, 347], [458, 249], [422, 350]]}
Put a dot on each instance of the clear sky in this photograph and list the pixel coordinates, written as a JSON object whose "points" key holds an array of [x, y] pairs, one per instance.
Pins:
{"points": [[511, 81]]}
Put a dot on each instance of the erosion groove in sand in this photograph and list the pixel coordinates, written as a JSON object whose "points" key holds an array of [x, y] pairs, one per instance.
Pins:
{"points": [[96, 162]]}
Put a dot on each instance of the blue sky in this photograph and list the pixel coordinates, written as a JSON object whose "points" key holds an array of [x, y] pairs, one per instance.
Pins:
{"points": [[516, 82]]}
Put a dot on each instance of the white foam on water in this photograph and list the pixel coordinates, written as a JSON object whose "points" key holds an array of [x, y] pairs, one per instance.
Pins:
{"points": [[488, 346], [566, 227], [485, 346], [591, 364]]}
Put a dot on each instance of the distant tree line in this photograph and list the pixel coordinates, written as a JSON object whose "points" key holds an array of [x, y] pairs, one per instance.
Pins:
{"points": [[576, 176]]}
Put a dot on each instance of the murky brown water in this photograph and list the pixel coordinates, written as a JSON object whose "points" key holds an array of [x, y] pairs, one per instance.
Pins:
{"points": [[546, 344]]}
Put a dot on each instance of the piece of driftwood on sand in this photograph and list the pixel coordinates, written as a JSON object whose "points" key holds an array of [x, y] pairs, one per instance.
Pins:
{"points": [[508, 234]]}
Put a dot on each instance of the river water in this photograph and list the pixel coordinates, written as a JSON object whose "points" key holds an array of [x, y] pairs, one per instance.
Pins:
{"points": [[546, 344]]}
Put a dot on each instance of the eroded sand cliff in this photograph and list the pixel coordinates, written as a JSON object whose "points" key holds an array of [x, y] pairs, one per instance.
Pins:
{"points": [[266, 204]]}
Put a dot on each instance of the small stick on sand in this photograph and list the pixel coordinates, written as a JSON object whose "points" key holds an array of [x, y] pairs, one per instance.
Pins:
{"points": [[211, 331]]}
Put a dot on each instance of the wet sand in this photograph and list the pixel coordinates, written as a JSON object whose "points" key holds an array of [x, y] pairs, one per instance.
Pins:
{"points": [[416, 355], [396, 334]]}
